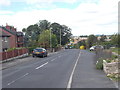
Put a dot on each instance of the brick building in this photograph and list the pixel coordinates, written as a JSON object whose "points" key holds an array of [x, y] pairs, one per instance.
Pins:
{"points": [[10, 38]]}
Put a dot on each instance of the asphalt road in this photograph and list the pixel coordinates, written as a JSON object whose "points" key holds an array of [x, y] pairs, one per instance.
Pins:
{"points": [[66, 69]]}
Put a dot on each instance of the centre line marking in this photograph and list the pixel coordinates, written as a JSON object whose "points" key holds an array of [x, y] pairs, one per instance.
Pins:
{"points": [[52, 59], [42, 65], [71, 77], [17, 79]]}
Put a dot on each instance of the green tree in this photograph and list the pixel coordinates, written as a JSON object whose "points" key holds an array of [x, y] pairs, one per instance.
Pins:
{"points": [[44, 39], [92, 39], [31, 34], [54, 41], [116, 40], [62, 30], [103, 37], [44, 25]]}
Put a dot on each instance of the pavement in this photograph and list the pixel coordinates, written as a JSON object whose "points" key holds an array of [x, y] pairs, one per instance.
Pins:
{"points": [[71, 68]]}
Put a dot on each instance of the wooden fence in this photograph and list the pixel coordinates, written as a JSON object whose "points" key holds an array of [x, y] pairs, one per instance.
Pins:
{"points": [[13, 53]]}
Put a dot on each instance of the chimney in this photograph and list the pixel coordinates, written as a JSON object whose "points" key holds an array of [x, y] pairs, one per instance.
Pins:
{"points": [[8, 27]]}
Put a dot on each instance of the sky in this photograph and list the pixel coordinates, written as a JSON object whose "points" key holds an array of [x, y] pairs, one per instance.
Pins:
{"points": [[84, 17]]}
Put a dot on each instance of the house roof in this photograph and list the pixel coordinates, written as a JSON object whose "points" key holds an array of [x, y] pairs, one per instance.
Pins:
{"points": [[3, 34], [10, 31], [19, 34]]}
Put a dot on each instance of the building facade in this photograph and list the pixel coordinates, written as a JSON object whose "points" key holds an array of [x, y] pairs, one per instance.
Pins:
{"points": [[10, 38]]}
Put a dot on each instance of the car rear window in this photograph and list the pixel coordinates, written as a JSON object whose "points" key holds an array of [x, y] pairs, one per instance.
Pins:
{"points": [[38, 50]]}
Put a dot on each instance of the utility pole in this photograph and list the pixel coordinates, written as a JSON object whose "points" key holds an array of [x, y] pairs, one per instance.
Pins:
{"points": [[50, 39], [60, 37]]}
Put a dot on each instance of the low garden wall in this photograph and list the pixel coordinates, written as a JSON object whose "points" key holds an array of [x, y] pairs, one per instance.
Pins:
{"points": [[13, 53], [111, 68]]}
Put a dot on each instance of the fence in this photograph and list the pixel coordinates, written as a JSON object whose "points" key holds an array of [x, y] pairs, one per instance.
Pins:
{"points": [[13, 53], [100, 53]]}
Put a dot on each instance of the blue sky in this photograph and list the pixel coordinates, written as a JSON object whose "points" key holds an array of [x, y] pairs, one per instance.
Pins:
{"points": [[84, 17]]}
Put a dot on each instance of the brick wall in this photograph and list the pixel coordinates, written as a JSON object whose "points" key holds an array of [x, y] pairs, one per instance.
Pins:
{"points": [[13, 53]]}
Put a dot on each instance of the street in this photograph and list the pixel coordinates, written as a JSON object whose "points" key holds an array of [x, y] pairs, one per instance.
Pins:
{"points": [[70, 68]]}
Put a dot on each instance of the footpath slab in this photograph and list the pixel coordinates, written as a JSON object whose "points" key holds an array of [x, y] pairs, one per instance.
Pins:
{"points": [[87, 76]]}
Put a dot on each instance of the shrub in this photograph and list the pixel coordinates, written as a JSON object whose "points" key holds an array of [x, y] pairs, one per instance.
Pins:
{"points": [[31, 49], [114, 56], [108, 60], [99, 64], [11, 49]]}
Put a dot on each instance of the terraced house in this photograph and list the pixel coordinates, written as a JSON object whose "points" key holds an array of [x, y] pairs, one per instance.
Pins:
{"points": [[10, 38]]}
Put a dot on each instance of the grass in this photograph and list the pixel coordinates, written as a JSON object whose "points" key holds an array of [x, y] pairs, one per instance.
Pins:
{"points": [[116, 50]]}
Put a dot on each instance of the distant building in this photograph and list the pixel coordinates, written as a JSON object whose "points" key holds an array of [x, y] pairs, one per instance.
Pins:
{"points": [[79, 38], [108, 37], [10, 37]]}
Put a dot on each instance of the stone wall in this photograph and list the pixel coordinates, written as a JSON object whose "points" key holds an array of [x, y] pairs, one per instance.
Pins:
{"points": [[111, 68]]}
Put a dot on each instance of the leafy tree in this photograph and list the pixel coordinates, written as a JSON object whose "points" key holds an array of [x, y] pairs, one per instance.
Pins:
{"points": [[82, 43], [66, 34], [116, 40], [54, 41], [103, 37], [62, 30], [92, 39], [44, 39], [44, 25], [32, 32]]}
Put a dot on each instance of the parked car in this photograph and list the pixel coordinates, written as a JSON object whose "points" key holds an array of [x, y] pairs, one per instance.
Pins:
{"points": [[41, 52], [92, 48]]}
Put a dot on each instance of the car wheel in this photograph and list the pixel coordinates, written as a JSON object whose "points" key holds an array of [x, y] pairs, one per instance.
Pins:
{"points": [[33, 56]]}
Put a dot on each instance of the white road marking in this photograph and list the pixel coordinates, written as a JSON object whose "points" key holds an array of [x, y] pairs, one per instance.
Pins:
{"points": [[59, 56], [71, 77], [42, 65], [52, 59], [17, 79]]}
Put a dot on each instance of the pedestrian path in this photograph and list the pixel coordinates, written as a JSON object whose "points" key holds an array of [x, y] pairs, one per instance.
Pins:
{"points": [[87, 76]]}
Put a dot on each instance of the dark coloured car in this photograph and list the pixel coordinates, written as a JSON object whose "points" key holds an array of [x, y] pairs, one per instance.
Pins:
{"points": [[39, 52]]}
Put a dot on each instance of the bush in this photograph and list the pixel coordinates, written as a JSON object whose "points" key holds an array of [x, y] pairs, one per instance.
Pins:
{"points": [[114, 56], [108, 60], [11, 49], [99, 64], [31, 49]]}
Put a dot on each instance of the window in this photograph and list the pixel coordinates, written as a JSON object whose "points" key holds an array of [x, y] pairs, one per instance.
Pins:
{"points": [[5, 39]]}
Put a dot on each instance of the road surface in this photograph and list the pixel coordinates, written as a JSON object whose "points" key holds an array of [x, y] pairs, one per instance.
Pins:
{"points": [[70, 68]]}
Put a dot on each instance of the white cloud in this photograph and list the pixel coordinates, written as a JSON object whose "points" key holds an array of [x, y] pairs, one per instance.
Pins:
{"points": [[5, 2], [49, 1], [87, 18]]}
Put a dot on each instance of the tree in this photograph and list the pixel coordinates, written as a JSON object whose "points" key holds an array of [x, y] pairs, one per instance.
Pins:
{"points": [[103, 37], [116, 40], [44, 25], [32, 32], [92, 39], [66, 34], [62, 30], [54, 41], [44, 39]]}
